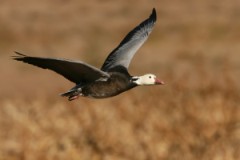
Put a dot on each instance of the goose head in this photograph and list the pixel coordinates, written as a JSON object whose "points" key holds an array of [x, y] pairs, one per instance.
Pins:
{"points": [[147, 79]]}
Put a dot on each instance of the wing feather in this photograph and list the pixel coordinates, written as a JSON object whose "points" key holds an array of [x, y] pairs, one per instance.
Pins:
{"points": [[123, 54], [75, 71]]}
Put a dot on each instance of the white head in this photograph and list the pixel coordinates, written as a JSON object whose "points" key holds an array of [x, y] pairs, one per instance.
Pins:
{"points": [[147, 79]]}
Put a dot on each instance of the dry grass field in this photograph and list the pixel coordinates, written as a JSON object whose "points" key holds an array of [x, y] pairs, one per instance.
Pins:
{"points": [[194, 48]]}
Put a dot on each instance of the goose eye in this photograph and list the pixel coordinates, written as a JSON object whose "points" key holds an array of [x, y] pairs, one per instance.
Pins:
{"points": [[150, 76]]}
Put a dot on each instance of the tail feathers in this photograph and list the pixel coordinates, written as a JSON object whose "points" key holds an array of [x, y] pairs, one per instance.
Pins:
{"points": [[72, 94], [69, 93]]}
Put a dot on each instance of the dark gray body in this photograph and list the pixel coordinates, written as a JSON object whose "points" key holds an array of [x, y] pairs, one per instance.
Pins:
{"points": [[116, 84]]}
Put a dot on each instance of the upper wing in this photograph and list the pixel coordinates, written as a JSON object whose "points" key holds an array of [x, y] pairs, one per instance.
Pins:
{"points": [[75, 71], [123, 54]]}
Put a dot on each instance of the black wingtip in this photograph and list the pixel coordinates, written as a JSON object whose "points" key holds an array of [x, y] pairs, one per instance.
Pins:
{"points": [[18, 56], [153, 16], [154, 10]]}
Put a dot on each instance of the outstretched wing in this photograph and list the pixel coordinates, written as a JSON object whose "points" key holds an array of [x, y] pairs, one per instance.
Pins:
{"points": [[75, 71], [123, 54]]}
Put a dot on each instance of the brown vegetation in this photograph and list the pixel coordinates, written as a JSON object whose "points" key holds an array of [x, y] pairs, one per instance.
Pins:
{"points": [[194, 48]]}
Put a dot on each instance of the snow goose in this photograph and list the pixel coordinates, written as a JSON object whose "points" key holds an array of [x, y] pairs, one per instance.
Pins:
{"points": [[113, 77]]}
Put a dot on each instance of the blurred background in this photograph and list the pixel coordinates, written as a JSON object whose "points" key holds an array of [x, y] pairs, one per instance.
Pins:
{"points": [[194, 48]]}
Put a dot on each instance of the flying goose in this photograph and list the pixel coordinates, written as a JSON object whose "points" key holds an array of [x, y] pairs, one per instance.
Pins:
{"points": [[113, 77]]}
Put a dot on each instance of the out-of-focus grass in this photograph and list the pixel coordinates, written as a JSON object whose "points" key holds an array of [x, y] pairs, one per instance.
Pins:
{"points": [[194, 48]]}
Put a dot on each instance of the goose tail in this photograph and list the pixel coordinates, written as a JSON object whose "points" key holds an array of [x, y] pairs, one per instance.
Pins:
{"points": [[72, 94]]}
